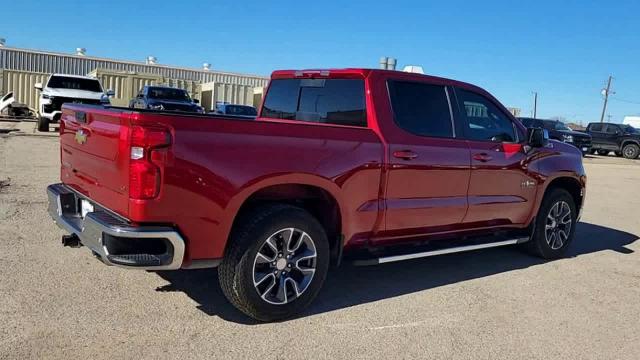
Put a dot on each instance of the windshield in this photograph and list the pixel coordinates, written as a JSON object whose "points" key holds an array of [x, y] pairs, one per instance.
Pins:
{"points": [[63, 82], [169, 94], [555, 125], [241, 110]]}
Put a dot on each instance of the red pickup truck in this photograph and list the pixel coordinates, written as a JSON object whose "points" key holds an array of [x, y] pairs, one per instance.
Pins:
{"points": [[373, 166]]}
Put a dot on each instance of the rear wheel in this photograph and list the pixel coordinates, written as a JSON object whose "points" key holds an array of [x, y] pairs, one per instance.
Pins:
{"points": [[631, 151], [555, 225], [603, 152], [43, 124], [277, 261]]}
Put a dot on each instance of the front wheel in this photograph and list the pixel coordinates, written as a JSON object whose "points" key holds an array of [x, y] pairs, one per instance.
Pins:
{"points": [[277, 261], [555, 225], [631, 151]]}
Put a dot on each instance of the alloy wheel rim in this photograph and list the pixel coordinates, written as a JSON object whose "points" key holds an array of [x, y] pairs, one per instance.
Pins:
{"points": [[558, 225], [629, 151], [284, 266]]}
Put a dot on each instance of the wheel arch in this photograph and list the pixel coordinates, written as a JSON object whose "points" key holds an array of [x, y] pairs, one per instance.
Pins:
{"points": [[571, 182], [629, 141], [571, 185], [318, 199]]}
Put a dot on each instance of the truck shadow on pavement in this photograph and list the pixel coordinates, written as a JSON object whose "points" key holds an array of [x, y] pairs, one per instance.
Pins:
{"points": [[350, 285]]}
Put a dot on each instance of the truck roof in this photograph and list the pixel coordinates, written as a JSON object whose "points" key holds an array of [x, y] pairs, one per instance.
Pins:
{"points": [[75, 76], [365, 72]]}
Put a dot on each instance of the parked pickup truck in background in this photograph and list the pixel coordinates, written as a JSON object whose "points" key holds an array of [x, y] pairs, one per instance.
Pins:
{"points": [[245, 111], [60, 89], [624, 140], [165, 98], [561, 132], [340, 164]]}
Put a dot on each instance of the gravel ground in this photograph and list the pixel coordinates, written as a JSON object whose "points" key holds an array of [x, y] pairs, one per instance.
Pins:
{"points": [[62, 304]]}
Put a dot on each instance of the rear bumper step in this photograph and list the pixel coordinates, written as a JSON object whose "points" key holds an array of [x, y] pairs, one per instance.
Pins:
{"points": [[439, 251], [113, 239]]}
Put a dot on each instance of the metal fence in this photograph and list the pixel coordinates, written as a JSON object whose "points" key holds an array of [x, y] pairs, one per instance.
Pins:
{"points": [[20, 69], [21, 83], [47, 62]]}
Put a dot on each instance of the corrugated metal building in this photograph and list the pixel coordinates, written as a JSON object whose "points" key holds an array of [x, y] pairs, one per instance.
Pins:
{"points": [[20, 69]]}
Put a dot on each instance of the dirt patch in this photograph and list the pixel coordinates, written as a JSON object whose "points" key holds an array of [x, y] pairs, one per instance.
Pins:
{"points": [[4, 184]]}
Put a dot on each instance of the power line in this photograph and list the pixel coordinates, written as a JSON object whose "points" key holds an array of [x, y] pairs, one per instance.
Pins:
{"points": [[625, 101]]}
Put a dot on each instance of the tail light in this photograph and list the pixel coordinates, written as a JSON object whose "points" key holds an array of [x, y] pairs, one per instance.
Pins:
{"points": [[145, 169]]}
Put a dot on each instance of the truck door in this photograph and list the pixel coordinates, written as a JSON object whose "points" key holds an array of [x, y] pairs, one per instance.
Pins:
{"points": [[611, 136], [428, 171], [596, 130], [501, 191]]}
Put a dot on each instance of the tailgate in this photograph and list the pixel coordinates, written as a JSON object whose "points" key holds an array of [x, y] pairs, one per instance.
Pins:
{"points": [[94, 154]]}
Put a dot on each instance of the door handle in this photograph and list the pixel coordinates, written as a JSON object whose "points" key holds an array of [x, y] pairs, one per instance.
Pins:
{"points": [[482, 157], [405, 154]]}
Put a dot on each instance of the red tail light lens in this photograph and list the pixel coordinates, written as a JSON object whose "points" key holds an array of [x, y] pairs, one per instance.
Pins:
{"points": [[149, 137], [144, 180], [145, 170]]}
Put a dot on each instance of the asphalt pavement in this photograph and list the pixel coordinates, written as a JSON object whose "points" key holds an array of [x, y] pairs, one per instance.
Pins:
{"points": [[60, 303]]}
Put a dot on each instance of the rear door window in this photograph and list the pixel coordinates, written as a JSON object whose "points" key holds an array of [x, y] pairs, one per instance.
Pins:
{"points": [[611, 129], [485, 121], [595, 127], [527, 122], [330, 101], [421, 109]]}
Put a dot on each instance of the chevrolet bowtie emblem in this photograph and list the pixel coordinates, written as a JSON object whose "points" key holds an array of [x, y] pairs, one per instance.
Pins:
{"points": [[81, 137]]}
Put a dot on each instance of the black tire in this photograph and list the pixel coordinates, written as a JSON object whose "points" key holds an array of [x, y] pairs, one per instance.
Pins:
{"points": [[236, 272], [43, 124], [631, 151], [538, 245], [603, 152]]}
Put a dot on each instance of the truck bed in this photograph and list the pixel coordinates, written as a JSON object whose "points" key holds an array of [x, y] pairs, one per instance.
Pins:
{"points": [[213, 164]]}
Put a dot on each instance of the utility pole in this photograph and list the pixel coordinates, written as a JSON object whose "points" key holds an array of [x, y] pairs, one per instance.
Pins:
{"points": [[605, 92], [535, 104]]}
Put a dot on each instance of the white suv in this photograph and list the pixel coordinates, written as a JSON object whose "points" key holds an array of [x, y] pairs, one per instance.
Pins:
{"points": [[62, 89]]}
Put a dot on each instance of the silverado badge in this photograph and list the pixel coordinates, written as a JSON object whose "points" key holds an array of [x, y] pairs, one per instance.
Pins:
{"points": [[81, 137]]}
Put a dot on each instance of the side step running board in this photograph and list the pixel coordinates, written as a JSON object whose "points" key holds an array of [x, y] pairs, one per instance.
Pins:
{"points": [[457, 249]]}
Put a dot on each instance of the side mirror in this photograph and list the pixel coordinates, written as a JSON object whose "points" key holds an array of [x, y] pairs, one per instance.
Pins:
{"points": [[110, 93], [38, 86], [196, 101], [538, 137]]}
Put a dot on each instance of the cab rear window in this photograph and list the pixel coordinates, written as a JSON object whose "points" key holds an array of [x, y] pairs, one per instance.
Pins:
{"points": [[329, 101]]}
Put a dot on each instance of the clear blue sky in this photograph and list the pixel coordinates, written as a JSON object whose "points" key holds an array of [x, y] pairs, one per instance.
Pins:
{"points": [[563, 49]]}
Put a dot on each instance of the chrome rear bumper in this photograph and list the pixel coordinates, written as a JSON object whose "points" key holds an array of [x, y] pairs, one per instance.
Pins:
{"points": [[113, 239]]}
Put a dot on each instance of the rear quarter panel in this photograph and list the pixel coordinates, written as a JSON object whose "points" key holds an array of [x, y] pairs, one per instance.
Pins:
{"points": [[215, 164]]}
